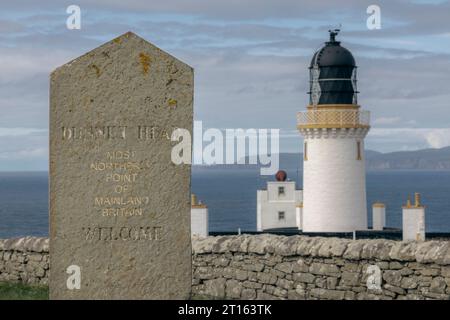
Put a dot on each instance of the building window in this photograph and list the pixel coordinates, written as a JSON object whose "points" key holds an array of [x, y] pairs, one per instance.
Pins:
{"points": [[358, 150], [281, 191], [305, 151], [281, 216]]}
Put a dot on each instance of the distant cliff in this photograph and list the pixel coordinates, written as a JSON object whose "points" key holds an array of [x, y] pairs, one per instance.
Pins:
{"points": [[426, 159]]}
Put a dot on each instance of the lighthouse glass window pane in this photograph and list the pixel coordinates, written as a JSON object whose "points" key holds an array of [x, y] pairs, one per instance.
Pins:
{"points": [[281, 215], [280, 191]]}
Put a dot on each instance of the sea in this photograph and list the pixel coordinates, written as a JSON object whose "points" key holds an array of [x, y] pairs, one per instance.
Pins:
{"points": [[230, 195]]}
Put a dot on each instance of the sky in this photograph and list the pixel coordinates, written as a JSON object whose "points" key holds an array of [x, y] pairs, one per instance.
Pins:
{"points": [[250, 59]]}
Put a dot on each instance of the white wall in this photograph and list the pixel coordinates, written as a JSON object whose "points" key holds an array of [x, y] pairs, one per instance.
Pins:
{"points": [[199, 221], [378, 217], [334, 181], [413, 223], [269, 203]]}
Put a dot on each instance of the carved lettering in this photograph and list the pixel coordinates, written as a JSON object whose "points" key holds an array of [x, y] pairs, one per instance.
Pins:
{"points": [[122, 233]]}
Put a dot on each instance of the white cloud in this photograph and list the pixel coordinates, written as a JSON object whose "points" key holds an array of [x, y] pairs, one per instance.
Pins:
{"points": [[28, 154], [387, 120], [438, 138], [8, 132]]}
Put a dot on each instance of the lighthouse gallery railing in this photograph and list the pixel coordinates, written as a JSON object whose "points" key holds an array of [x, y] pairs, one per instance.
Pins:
{"points": [[333, 119]]}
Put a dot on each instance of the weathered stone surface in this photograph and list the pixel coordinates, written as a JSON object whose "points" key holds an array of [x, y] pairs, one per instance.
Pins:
{"points": [[119, 206], [248, 294], [233, 289], [409, 283], [401, 279], [349, 278], [304, 277], [392, 277], [438, 285], [215, 287], [403, 251], [328, 294], [324, 269], [268, 278], [354, 249]]}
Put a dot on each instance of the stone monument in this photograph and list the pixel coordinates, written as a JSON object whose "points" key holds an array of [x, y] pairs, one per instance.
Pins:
{"points": [[119, 207]]}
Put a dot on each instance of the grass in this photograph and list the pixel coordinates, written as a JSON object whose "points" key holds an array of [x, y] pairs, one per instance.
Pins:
{"points": [[17, 291]]}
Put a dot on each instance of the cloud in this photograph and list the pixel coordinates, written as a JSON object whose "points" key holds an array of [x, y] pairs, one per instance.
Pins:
{"points": [[250, 61], [14, 132], [22, 154], [387, 120], [438, 138]]}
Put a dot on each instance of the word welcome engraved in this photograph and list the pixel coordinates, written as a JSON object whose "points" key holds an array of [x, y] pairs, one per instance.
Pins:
{"points": [[131, 233], [119, 207]]}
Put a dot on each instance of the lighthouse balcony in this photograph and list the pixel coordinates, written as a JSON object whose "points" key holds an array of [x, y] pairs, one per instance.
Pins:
{"points": [[337, 118]]}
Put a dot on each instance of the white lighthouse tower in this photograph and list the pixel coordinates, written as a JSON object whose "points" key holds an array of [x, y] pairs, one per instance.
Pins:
{"points": [[333, 127]]}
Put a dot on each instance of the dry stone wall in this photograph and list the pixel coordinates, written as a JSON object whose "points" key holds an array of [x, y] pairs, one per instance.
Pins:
{"points": [[277, 267], [298, 267], [24, 260]]}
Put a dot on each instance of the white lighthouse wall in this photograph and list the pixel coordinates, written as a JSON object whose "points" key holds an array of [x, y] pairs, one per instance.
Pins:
{"points": [[413, 224], [199, 221], [334, 185], [270, 203]]}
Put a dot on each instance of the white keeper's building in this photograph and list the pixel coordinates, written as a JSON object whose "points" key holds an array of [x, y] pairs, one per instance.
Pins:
{"points": [[279, 206]]}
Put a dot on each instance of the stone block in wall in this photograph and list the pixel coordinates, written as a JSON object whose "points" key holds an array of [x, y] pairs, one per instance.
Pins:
{"points": [[354, 249], [438, 285], [409, 282], [394, 289], [215, 287], [267, 278], [304, 277], [241, 275], [259, 243], [327, 294], [376, 249], [349, 278], [256, 266], [433, 252], [300, 265], [403, 251], [392, 277], [430, 271], [233, 289], [296, 295], [445, 271], [252, 285], [332, 247], [286, 267], [285, 284], [260, 295], [406, 272], [332, 283], [324, 269], [248, 294]]}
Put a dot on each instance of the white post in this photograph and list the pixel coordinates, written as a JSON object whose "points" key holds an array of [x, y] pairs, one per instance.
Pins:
{"points": [[414, 220], [378, 216]]}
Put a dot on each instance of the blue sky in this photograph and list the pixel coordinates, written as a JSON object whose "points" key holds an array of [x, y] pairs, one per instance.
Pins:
{"points": [[250, 59]]}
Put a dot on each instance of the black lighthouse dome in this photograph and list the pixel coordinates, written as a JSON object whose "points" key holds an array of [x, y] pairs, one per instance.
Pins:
{"points": [[333, 74]]}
